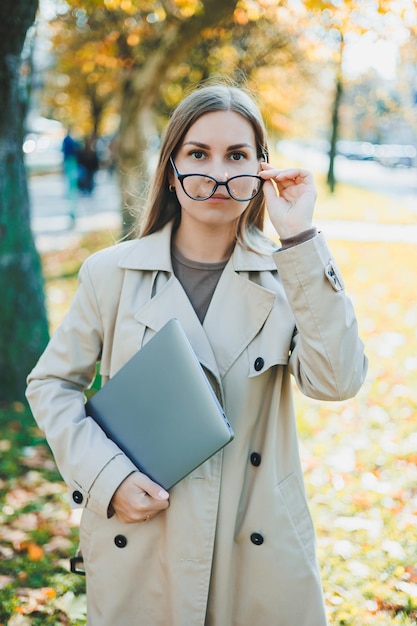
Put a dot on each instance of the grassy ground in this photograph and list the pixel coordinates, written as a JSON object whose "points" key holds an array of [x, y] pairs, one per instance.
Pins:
{"points": [[359, 456]]}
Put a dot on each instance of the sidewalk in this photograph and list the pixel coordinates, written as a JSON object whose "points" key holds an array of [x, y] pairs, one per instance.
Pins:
{"points": [[51, 209], [54, 229], [364, 231]]}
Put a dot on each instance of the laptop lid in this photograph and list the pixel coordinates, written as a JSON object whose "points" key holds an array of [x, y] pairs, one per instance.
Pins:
{"points": [[161, 410]]}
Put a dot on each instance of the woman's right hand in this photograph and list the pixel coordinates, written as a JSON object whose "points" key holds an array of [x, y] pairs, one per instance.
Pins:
{"points": [[138, 499]]}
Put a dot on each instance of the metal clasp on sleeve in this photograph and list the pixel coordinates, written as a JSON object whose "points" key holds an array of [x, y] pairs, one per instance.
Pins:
{"points": [[333, 276]]}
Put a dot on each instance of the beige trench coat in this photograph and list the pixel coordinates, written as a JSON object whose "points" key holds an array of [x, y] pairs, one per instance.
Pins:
{"points": [[236, 547]]}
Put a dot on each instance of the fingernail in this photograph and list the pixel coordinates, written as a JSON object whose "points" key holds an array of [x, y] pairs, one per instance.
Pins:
{"points": [[163, 495]]}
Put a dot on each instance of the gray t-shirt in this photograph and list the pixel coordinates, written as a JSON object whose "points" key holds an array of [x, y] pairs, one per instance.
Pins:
{"points": [[199, 280]]}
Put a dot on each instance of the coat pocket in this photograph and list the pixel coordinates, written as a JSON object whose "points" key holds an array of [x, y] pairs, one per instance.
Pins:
{"points": [[296, 505]]}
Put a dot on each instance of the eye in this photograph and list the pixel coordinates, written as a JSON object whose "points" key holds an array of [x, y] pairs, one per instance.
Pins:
{"points": [[237, 156], [197, 154]]}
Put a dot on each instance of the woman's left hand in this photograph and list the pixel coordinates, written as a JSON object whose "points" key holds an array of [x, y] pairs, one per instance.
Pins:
{"points": [[290, 198]]}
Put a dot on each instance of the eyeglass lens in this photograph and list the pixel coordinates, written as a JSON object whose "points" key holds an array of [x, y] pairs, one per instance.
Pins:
{"points": [[239, 187]]}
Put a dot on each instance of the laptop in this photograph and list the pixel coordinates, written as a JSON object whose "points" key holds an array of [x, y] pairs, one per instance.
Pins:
{"points": [[161, 410]]}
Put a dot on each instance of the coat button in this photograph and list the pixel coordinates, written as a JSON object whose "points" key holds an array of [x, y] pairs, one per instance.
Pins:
{"points": [[120, 541], [259, 363], [257, 539], [255, 459], [77, 496]]}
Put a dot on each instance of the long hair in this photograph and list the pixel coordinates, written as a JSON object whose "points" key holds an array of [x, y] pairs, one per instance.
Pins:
{"points": [[162, 205]]}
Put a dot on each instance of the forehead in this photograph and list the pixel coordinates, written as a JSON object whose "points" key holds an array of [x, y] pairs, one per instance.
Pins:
{"points": [[221, 128]]}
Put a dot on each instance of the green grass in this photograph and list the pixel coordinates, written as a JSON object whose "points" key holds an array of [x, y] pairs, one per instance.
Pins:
{"points": [[38, 532], [360, 455]]}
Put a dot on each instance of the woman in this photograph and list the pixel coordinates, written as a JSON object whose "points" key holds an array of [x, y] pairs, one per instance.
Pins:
{"points": [[233, 543]]}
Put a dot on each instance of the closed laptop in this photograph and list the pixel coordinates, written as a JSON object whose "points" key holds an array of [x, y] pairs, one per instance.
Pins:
{"points": [[161, 410]]}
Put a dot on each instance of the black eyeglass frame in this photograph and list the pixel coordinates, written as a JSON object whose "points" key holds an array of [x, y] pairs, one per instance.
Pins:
{"points": [[225, 183]]}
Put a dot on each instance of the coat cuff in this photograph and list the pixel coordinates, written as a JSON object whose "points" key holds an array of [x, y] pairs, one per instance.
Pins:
{"points": [[99, 496], [305, 235]]}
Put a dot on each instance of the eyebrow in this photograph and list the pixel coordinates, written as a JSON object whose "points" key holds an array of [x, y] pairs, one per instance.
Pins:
{"points": [[206, 147]]}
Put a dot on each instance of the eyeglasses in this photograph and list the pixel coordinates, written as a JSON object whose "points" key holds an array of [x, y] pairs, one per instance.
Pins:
{"points": [[201, 186]]}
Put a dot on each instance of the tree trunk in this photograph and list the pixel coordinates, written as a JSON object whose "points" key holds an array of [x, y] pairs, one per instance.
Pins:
{"points": [[140, 93], [137, 126], [23, 321], [331, 179]]}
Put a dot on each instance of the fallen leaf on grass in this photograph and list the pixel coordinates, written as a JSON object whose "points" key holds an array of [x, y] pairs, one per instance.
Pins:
{"points": [[411, 574], [34, 600], [5, 580], [18, 497], [27, 521], [37, 457], [58, 544], [14, 536], [35, 552], [74, 606], [19, 620], [409, 588]]}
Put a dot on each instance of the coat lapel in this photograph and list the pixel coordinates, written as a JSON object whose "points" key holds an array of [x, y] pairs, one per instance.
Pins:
{"points": [[172, 301], [238, 309], [237, 312], [166, 297]]}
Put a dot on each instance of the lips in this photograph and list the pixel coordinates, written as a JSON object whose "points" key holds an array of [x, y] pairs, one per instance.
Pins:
{"points": [[219, 196]]}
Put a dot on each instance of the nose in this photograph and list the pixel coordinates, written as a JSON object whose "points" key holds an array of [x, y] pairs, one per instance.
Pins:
{"points": [[218, 170]]}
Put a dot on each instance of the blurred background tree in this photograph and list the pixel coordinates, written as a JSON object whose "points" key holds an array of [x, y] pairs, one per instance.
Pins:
{"points": [[122, 51], [121, 65], [23, 323], [134, 61], [335, 24]]}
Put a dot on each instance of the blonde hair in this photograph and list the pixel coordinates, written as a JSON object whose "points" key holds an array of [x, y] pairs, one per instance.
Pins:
{"points": [[162, 205]]}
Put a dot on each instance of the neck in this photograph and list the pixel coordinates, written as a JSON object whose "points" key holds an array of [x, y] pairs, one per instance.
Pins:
{"points": [[204, 245]]}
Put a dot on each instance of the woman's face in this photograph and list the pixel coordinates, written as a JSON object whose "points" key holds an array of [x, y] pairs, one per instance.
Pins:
{"points": [[220, 144]]}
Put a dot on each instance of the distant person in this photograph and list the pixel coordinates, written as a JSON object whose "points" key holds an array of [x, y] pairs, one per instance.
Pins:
{"points": [[69, 150], [232, 544], [70, 165], [88, 164]]}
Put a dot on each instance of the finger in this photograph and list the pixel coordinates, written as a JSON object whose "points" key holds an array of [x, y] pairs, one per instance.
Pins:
{"points": [[268, 171], [133, 517], [291, 174], [131, 513], [273, 185], [295, 176], [138, 496], [151, 488]]}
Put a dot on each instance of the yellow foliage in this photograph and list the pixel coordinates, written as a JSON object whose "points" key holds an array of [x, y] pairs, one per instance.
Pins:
{"points": [[187, 8], [87, 67], [133, 39], [241, 17]]}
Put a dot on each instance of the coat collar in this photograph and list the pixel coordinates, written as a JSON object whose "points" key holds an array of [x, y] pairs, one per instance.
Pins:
{"points": [[154, 253], [237, 312]]}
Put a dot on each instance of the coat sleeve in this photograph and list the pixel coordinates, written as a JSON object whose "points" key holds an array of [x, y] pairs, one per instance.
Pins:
{"points": [[327, 356], [90, 463]]}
